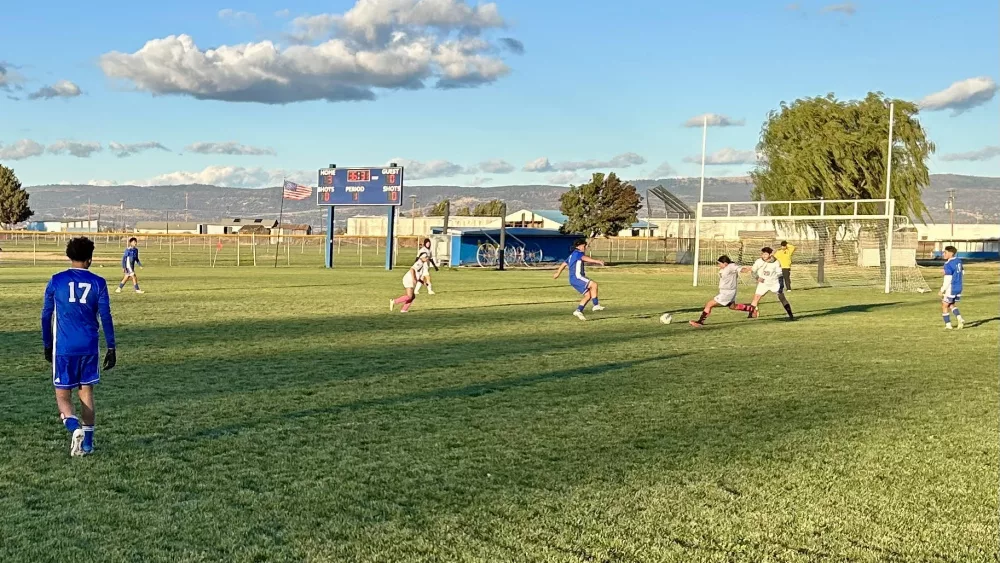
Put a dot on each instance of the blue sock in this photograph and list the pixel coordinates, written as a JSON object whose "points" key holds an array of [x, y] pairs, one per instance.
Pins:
{"points": [[88, 437], [71, 423], [580, 308], [956, 313], [136, 287], [947, 318], [121, 285], [594, 300]]}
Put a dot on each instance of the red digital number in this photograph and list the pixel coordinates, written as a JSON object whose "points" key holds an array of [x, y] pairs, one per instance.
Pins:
{"points": [[326, 196]]}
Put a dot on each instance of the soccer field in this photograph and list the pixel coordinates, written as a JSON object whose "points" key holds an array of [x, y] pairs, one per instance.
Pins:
{"points": [[286, 415]]}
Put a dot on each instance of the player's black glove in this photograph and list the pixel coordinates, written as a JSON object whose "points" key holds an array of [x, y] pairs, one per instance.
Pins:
{"points": [[435, 267], [48, 355], [110, 359]]}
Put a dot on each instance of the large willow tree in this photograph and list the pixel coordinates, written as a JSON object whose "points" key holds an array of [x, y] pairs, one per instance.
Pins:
{"points": [[825, 148], [833, 149]]}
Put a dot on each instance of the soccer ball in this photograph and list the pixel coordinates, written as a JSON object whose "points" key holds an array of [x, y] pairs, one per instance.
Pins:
{"points": [[665, 318]]}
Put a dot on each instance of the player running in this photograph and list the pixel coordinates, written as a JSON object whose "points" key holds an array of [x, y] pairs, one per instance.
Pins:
{"points": [[729, 279], [578, 277], [74, 299], [425, 248], [129, 261], [416, 274], [951, 289], [767, 270]]}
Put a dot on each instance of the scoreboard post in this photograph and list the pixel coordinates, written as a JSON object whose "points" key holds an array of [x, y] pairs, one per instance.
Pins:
{"points": [[370, 186]]}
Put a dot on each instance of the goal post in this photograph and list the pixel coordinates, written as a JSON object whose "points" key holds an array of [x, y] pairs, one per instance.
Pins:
{"points": [[838, 243]]}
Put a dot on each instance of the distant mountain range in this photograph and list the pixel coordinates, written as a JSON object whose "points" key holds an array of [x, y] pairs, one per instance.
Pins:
{"points": [[977, 200]]}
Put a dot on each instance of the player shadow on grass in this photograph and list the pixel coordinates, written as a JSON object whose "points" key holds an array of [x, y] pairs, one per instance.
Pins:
{"points": [[981, 322], [465, 391], [493, 289], [645, 315], [845, 309]]}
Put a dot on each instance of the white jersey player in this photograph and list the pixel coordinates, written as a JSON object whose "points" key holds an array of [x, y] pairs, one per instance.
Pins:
{"points": [[416, 274], [767, 270], [425, 248], [729, 279]]}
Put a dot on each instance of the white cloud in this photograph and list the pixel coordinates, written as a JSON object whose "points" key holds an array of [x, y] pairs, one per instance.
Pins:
{"points": [[496, 166], [415, 170], [282, 13], [377, 45], [477, 181], [81, 149], [664, 170], [624, 160], [237, 17], [123, 150], [725, 156], [986, 153], [21, 149], [563, 178], [714, 120], [230, 147], [228, 176], [61, 89], [961, 96], [538, 165], [376, 21], [847, 8], [9, 79]]}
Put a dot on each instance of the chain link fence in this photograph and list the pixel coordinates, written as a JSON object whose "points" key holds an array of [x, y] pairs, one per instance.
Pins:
{"points": [[21, 248]]}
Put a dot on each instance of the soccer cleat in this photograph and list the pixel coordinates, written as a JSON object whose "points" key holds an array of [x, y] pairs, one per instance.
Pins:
{"points": [[598, 308], [579, 315], [404, 310], [392, 305], [139, 291], [696, 324], [86, 449], [76, 443], [119, 290], [961, 323], [947, 326], [430, 291], [755, 313]]}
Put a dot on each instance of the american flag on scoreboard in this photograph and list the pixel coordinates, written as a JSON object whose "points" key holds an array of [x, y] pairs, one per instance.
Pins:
{"points": [[296, 191]]}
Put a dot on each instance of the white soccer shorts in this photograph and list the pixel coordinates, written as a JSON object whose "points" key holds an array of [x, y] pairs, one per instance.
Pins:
{"points": [[763, 288], [725, 298]]}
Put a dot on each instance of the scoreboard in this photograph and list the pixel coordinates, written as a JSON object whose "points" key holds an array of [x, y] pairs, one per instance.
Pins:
{"points": [[360, 186]]}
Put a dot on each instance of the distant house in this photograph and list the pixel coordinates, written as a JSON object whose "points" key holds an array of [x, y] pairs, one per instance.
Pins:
{"points": [[235, 225], [172, 227], [292, 229], [63, 226]]}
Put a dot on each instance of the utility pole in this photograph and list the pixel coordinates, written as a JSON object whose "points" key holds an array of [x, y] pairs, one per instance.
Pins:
{"points": [[950, 206], [121, 209], [186, 207]]}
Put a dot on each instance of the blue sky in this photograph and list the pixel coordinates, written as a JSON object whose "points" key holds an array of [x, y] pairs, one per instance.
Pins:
{"points": [[598, 85]]}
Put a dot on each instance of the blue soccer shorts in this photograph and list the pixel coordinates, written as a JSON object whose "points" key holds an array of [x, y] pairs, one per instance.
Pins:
{"points": [[951, 299], [580, 285], [70, 372]]}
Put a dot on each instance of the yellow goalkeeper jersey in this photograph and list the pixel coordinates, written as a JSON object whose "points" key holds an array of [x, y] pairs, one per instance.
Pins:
{"points": [[784, 256]]}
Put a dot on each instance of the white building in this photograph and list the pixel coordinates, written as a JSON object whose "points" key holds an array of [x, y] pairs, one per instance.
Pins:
{"points": [[63, 225], [171, 227]]}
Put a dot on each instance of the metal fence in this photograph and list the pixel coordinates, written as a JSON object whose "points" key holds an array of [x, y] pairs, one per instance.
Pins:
{"points": [[219, 251], [22, 248]]}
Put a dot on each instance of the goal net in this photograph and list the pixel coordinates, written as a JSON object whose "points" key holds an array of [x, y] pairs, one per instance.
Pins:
{"points": [[838, 243]]}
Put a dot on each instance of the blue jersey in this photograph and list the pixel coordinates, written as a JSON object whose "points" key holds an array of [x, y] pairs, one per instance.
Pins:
{"points": [[577, 273], [131, 258], [953, 274], [74, 300]]}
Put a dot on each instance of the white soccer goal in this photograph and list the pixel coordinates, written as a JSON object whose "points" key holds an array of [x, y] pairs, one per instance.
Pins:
{"points": [[837, 243]]}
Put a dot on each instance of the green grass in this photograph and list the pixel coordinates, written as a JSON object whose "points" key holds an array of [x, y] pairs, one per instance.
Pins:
{"points": [[285, 415]]}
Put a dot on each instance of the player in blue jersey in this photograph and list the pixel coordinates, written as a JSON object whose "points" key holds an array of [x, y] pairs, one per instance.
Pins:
{"points": [[578, 277], [129, 261], [951, 289], [74, 299]]}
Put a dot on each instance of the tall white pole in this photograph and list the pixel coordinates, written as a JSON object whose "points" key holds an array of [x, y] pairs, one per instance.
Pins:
{"points": [[888, 166], [701, 198], [890, 207]]}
